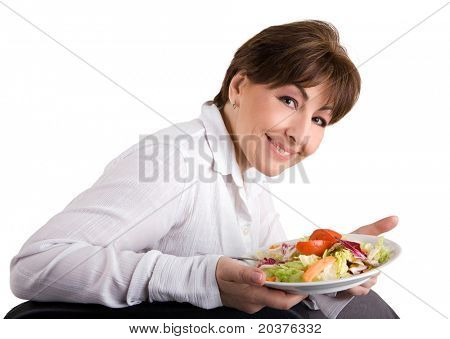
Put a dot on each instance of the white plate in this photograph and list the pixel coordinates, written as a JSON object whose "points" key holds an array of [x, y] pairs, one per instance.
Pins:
{"points": [[322, 287]]}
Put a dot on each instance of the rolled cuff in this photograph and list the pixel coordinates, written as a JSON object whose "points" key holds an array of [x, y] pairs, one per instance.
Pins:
{"points": [[186, 279]]}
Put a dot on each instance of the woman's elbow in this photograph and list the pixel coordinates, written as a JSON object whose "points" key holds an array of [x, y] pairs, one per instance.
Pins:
{"points": [[20, 283]]}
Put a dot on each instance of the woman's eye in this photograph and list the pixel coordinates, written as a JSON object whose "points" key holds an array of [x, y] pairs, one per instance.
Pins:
{"points": [[288, 98], [320, 121]]}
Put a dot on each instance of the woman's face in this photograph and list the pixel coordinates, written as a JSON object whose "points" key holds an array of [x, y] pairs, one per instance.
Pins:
{"points": [[282, 116]]}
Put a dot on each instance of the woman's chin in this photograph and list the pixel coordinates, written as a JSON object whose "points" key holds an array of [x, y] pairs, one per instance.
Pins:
{"points": [[269, 171], [273, 169]]}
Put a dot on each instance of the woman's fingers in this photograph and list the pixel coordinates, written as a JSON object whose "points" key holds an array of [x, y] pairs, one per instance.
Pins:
{"points": [[378, 227], [363, 289], [275, 298], [369, 283], [232, 270], [262, 295], [239, 290], [358, 290]]}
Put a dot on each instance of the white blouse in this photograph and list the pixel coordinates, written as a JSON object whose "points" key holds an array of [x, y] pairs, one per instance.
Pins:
{"points": [[154, 224]]}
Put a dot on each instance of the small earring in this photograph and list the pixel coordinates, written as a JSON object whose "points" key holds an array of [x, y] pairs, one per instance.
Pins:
{"points": [[234, 105]]}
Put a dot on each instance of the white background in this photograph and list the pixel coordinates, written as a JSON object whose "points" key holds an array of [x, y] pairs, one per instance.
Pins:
{"points": [[61, 121]]}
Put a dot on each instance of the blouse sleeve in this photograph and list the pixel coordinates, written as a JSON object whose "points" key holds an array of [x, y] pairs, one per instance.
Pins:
{"points": [[99, 248]]}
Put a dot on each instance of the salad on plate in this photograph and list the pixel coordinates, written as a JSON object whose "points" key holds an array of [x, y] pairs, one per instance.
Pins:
{"points": [[323, 256]]}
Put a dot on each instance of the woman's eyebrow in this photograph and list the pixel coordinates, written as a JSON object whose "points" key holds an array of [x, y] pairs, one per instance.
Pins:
{"points": [[306, 98], [302, 91], [325, 108]]}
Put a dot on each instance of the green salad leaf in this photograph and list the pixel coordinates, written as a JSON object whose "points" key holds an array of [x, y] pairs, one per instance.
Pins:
{"points": [[379, 252], [289, 272], [342, 256]]}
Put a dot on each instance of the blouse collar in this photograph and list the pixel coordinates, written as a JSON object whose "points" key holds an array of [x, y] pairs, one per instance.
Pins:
{"points": [[222, 148], [220, 143]]}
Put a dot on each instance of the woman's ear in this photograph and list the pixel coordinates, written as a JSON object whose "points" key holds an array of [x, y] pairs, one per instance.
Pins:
{"points": [[237, 85]]}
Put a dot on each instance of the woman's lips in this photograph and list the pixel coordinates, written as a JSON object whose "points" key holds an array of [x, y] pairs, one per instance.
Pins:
{"points": [[281, 156], [282, 146]]}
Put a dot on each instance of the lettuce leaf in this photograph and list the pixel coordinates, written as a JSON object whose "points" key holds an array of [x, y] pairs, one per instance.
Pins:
{"points": [[366, 246], [379, 252], [307, 260], [342, 256], [329, 273], [288, 272]]}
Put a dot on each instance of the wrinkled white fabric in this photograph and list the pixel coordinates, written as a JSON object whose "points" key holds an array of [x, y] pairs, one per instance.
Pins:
{"points": [[154, 224]]}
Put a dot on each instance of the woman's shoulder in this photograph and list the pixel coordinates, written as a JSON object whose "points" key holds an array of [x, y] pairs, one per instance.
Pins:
{"points": [[179, 134], [186, 139]]}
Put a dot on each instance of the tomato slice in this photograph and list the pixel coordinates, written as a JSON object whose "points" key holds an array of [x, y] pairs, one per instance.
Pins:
{"points": [[325, 234], [316, 247]]}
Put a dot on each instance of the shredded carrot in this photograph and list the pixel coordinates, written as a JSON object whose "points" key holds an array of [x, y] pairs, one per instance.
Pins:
{"points": [[316, 268], [274, 278]]}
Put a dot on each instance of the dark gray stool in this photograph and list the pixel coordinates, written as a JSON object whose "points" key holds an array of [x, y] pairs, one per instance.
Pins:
{"points": [[370, 306]]}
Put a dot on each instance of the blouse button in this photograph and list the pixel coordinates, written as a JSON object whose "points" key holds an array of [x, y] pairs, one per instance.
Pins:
{"points": [[246, 229]]}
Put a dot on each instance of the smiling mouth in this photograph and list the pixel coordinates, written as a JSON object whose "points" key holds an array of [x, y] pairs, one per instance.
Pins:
{"points": [[283, 153]]}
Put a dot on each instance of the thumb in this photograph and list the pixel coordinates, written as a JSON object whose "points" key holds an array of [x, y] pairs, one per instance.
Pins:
{"points": [[378, 227], [252, 275]]}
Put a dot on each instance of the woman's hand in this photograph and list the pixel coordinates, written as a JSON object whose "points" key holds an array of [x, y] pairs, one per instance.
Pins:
{"points": [[378, 227], [363, 289], [241, 288]]}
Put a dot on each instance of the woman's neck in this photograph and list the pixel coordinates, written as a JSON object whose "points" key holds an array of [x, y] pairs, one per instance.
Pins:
{"points": [[229, 118]]}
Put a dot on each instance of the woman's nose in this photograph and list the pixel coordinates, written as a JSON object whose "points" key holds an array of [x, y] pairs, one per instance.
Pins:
{"points": [[299, 131]]}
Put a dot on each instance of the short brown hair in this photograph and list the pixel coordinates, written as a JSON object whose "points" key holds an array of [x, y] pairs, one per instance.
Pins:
{"points": [[305, 53]]}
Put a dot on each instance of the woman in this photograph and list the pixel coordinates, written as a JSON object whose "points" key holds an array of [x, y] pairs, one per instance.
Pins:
{"points": [[163, 220]]}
